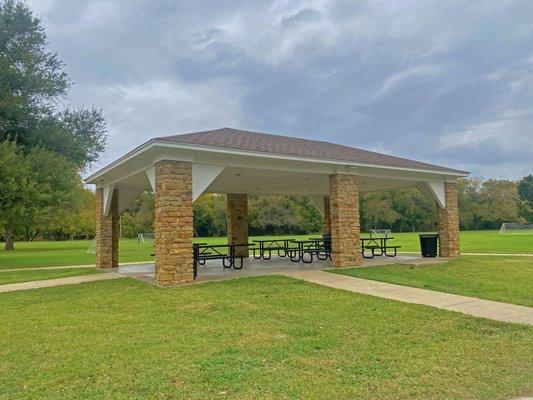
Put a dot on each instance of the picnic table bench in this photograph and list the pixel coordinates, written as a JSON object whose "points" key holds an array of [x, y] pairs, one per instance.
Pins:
{"points": [[314, 247], [226, 252], [380, 244], [281, 246]]}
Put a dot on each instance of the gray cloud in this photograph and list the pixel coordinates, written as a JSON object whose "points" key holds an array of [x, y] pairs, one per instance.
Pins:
{"points": [[444, 82]]}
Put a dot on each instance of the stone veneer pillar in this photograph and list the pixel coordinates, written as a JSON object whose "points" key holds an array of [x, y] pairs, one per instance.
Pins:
{"points": [[448, 223], [173, 223], [107, 231], [237, 221], [344, 220], [326, 221]]}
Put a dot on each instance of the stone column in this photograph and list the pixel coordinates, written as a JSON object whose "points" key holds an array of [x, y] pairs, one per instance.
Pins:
{"points": [[173, 223], [344, 219], [107, 231], [326, 222], [237, 221], [448, 223]]}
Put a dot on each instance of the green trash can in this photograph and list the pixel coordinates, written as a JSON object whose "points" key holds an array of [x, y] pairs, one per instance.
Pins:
{"points": [[428, 244]]}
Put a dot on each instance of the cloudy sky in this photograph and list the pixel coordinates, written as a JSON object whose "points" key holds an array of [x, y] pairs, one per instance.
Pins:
{"points": [[448, 82]]}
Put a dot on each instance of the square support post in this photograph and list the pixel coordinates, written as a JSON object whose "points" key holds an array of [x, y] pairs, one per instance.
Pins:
{"points": [[326, 221], [173, 223], [237, 222], [107, 231], [448, 223], [344, 219]]}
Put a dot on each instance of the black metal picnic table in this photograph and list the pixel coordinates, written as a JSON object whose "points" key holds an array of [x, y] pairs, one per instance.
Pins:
{"points": [[314, 247], [203, 252], [266, 246], [380, 244]]}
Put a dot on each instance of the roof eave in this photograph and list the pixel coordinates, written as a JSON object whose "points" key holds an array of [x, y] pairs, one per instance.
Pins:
{"points": [[92, 179]]}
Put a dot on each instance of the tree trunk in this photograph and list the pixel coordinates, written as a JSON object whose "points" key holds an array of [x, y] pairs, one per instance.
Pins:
{"points": [[9, 238]]}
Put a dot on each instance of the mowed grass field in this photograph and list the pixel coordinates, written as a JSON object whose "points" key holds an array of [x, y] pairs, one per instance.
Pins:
{"points": [[498, 278], [254, 338], [35, 254], [268, 337]]}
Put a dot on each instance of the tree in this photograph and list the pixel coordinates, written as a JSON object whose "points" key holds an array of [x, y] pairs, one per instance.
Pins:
{"points": [[30, 76], [469, 198], [78, 218], [275, 215], [52, 144], [377, 211], [525, 197], [415, 211], [17, 188], [210, 215], [498, 203], [32, 83], [35, 188]]}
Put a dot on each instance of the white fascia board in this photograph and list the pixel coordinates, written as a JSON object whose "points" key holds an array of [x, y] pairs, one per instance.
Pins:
{"points": [[318, 201], [108, 196], [202, 176], [92, 178]]}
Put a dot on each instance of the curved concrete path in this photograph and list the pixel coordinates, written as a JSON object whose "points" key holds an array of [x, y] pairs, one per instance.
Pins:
{"points": [[467, 305], [73, 280]]}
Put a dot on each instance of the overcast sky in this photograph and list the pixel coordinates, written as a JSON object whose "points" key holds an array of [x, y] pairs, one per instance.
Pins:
{"points": [[448, 82]]}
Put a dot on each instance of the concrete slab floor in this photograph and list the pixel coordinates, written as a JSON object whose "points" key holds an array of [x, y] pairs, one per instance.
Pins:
{"points": [[213, 270]]}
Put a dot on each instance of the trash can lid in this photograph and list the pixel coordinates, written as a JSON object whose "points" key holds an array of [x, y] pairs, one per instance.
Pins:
{"points": [[428, 235]]}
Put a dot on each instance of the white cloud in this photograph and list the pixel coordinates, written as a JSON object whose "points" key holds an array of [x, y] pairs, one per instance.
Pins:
{"points": [[417, 72], [138, 112]]}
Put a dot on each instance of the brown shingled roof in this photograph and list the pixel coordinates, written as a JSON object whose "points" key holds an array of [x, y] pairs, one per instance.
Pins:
{"points": [[275, 144]]}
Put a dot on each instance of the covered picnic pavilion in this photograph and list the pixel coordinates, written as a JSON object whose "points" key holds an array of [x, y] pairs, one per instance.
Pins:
{"points": [[238, 163]]}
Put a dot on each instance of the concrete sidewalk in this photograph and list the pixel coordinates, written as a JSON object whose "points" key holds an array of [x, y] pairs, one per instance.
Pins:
{"points": [[70, 266], [467, 305], [73, 280]]}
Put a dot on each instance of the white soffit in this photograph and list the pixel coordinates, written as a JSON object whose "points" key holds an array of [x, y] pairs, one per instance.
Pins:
{"points": [[202, 176], [434, 190], [126, 196], [108, 195], [318, 201], [150, 173]]}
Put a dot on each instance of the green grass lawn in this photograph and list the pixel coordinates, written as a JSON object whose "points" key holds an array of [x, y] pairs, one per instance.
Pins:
{"points": [[506, 279], [266, 337], [35, 254], [26, 276], [477, 242]]}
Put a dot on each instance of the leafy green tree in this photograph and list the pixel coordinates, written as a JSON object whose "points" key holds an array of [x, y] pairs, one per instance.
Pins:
{"points": [[525, 196], [32, 83], [210, 215], [35, 188], [469, 198], [52, 144], [81, 219], [139, 217], [276, 215], [416, 212], [377, 211], [498, 203], [17, 189]]}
